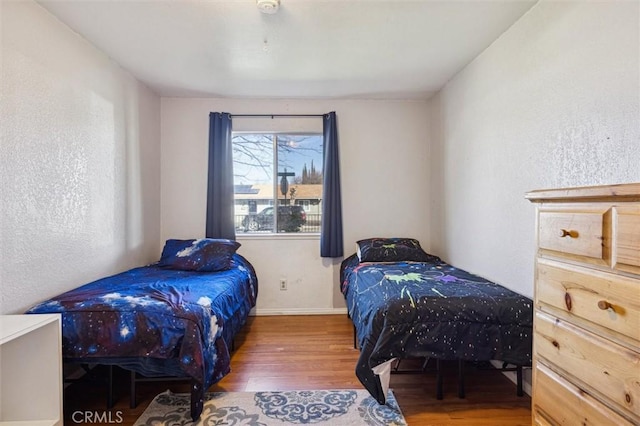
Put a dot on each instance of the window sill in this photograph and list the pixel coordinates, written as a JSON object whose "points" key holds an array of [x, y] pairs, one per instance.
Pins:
{"points": [[279, 237]]}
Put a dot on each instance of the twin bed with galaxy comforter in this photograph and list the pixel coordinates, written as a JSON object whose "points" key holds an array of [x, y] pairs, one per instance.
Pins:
{"points": [[405, 303], [175, 318]]}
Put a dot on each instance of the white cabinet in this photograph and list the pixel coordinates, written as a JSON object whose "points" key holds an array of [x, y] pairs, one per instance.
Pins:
{"points": [[30, 370]]}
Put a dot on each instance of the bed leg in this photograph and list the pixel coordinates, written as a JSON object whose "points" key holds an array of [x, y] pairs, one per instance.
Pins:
{"points": [[355, 346], [132, 390], [438, 379], [110, 387], [197, 400], [424, 364], [460, 378], [519, 391]]}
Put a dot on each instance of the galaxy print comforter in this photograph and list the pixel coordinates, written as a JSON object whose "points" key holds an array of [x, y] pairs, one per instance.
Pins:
{"points": [[158, 321], [415, 309]]}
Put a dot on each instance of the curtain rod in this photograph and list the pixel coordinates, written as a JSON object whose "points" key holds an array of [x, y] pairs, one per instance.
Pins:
{"points": [[275, 115]]}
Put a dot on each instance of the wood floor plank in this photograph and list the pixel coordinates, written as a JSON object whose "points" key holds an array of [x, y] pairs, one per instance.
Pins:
{"points": [[316, 352]]}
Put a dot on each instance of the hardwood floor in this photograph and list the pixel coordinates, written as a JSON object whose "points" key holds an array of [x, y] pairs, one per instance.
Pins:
{"points": [[316, 352]]}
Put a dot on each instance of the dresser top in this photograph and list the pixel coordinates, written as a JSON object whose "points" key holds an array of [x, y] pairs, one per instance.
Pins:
{"points": [[626, 191]]}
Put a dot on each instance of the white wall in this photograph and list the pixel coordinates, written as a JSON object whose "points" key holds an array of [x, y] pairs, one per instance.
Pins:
{"points": [[79, 161], [385, 186], [554, 102]]}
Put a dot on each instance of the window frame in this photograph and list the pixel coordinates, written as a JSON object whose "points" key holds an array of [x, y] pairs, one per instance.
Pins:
{"points": [[275, 200]]}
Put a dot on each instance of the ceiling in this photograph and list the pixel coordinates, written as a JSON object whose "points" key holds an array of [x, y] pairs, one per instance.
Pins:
{"points": [[370, 49]]}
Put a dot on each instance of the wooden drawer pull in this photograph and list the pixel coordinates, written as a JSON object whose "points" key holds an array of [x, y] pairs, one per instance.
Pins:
{"points": [[604, 305], [568, 233]]}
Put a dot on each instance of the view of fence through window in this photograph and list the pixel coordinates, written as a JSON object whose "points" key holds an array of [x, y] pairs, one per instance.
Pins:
{"points": [[286, 198]]}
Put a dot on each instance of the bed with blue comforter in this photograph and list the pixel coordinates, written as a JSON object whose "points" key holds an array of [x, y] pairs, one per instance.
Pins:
{"points": [[176, 317], [405, 303]]}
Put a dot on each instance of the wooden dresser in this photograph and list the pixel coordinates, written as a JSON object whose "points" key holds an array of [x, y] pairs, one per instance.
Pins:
{"points": [[586, 368]]}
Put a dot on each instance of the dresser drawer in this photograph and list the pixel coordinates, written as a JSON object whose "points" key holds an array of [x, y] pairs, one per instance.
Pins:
{"points": [[573, 233], [557, 401], [602, 366], [626, 239], [604, 299]]}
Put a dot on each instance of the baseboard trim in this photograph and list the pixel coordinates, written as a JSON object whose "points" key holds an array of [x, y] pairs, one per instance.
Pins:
{"points": [[299, 311]]}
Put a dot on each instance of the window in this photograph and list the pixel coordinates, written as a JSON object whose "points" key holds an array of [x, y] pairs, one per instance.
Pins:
{"points": [[277, 182]]}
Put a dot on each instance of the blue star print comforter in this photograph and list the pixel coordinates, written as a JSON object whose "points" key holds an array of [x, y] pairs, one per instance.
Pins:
{"points": [[419, 309], [158, 321]]}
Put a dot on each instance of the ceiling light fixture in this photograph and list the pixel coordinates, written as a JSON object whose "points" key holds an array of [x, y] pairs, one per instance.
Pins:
{"points": [[268, 6]]}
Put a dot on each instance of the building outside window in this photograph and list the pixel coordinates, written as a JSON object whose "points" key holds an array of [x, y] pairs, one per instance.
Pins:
{"points": [[277, 182]]}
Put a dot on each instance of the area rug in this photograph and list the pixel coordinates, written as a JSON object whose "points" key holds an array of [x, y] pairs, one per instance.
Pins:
{"points": [[320, 407]]}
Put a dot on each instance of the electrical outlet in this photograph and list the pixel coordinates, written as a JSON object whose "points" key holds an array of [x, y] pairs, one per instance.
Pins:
{"points": [[283, 284]]}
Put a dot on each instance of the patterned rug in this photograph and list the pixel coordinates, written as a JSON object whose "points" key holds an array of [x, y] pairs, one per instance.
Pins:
{"points": [[320, 407]]}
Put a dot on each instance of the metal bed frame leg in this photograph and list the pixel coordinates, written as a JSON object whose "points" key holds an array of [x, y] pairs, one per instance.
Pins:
{"points": [[461, 378], [110, 388], [519, 391], [132, 391], [197, 404], [355, 345], [424, 364], [518, 370], [438, 379]]}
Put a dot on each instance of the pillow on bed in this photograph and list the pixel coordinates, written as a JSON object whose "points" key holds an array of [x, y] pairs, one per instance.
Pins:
{"points": [[205, 255], [392, 250]]}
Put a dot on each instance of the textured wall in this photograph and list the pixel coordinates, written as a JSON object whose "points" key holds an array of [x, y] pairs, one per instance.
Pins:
{"points": [[554, 102], [80, 161]]}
